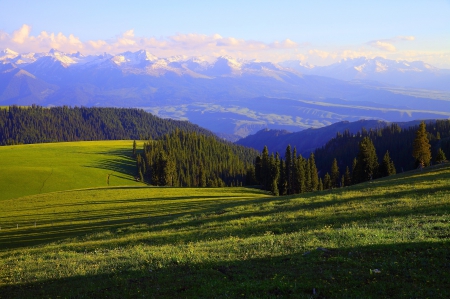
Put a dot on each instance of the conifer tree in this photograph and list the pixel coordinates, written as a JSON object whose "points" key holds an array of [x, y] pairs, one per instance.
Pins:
{"points": [[367, 162], [327, 181], [282, 183], [320, 184], [335, 175], [288, 169], [274, 173], [440, 157], [265, 168], [347, 177], [387, 167], [421, 146], [313, 172], [300, 177], [134, 149]]}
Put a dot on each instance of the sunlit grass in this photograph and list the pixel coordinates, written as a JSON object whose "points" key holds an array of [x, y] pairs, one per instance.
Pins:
{"points": [[41, 168], [389, 238]]}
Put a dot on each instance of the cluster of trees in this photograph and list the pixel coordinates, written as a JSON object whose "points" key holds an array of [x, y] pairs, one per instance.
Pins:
{"points": [[295, 174], [291, 175], [393, 139], [35, 124], [194, 160]]}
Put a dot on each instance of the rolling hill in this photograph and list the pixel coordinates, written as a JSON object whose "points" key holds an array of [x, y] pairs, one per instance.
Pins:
{"points": [[386, 238]]}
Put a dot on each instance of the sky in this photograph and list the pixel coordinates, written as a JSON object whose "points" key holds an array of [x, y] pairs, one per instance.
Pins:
{"points": [[315, 32]]}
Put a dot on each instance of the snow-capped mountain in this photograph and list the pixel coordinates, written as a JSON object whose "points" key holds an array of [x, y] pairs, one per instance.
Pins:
{"points": [[416, 74], [226, 94]]}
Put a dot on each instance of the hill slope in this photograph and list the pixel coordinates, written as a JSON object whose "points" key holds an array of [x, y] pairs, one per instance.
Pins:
{"points": [[388, 238], [42, 168]]}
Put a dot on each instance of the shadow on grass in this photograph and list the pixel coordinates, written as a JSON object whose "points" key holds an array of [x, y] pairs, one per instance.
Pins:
{"points": [[122, 164], [185, 215], [408, 270]]}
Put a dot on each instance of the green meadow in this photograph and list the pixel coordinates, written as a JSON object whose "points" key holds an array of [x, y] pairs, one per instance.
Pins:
{"points": [[389, 238], [46, 167]]}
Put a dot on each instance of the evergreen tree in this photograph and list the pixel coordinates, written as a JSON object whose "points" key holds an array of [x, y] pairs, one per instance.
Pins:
{"points": [[313, 172], [258, 170], [282, 183], [274, 173], [440, 157], [387, 167], [320, 184], [134, 149], [327, 181], [301, 176], [342, 181], [265, 168], [347, 177], [288, 169], [367, 162], [421, 146], [335, 175]]}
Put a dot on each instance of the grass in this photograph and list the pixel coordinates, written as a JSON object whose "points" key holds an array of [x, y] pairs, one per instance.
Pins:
{"points": [[41, 168], [386, 239]]}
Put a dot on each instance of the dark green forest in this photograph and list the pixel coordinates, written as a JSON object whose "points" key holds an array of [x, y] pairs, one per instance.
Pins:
{"points": [[350, 159], [35, 124], [393, 139], [194, 160]]}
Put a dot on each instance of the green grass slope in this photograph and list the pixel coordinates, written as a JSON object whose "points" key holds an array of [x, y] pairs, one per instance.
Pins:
{"points": [[386, 239], [41, 168]]}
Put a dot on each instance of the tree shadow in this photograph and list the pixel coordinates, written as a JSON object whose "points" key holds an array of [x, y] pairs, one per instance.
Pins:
{"points": [[407, 270]]}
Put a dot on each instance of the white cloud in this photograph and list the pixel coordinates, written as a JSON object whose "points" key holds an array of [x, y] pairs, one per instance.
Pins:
{"points": [[185, 44], [382, 45], [21, 35]]}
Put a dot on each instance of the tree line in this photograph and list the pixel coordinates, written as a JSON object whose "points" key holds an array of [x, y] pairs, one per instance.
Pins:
{"points": [[189, 159], [195, 160], [295, 174], [36, 124]]}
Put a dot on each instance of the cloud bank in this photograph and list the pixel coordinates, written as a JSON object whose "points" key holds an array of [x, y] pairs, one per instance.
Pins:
{"points": [[195, 44]]}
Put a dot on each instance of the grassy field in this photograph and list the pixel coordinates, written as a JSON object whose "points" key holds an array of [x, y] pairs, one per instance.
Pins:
{"points": [[41, 168], [385, 239]]}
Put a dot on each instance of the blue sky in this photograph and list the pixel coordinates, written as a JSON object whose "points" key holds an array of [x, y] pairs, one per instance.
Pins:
{"points": [[317, 32]]}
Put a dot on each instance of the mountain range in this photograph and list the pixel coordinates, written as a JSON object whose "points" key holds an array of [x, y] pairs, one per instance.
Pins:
{"points": [[229, 96]]}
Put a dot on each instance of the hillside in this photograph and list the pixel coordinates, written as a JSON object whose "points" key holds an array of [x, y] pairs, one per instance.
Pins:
{"points": [[42, 168], [387, 238], [35, 124]]}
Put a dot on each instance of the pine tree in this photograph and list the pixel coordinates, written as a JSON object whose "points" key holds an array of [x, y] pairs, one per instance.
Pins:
{"points": [[421, 146], [313, 173], [440, 157], [320, 184], [347, 177], [387, 167], [265, 169], [367, 162], [327, 181], [282, 183], [300, 177], [134, 149], [288, 169], [335, 175]]}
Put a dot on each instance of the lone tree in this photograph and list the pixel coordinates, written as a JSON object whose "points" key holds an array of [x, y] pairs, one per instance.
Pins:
{"points": [[421, 146]]}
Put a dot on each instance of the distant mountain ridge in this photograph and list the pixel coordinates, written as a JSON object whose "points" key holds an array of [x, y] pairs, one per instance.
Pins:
{"points": [[230, 96], [307, 141], [415, 74]]}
